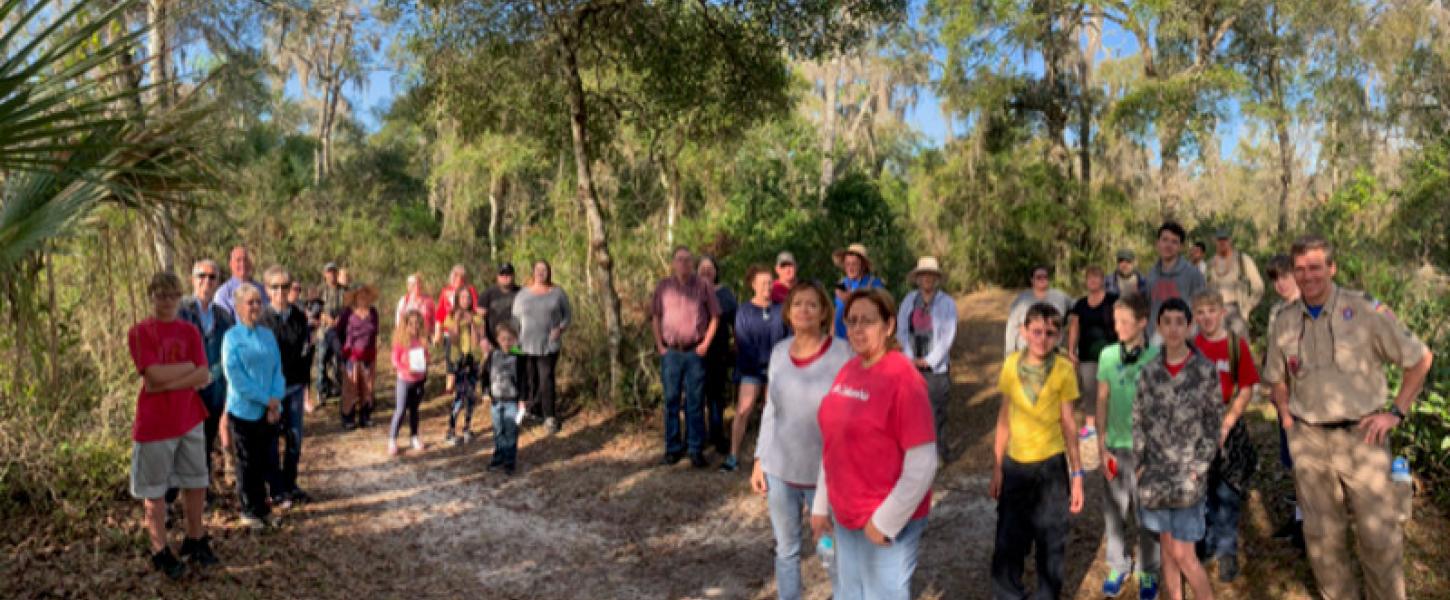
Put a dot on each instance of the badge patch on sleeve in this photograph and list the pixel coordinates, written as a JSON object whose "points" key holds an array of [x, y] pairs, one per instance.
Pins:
{"points": [[1348, 314]]}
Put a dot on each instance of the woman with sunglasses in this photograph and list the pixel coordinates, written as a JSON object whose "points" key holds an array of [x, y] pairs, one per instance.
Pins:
{"points": [[878, 457]]}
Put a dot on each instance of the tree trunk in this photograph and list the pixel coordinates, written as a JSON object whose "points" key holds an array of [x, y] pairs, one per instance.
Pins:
{"points": [[1168, 143], [670, 180], [497, 187], [829, 82], [1085, 100], [598, 234], [158, 47]]}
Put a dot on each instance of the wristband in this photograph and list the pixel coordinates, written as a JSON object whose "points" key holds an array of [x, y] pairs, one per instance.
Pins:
{"points": [[1079, 473], [1395, 410]]}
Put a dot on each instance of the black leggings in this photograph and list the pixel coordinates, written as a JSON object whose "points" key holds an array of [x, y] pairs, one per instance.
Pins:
{"points": [[539, 379]]}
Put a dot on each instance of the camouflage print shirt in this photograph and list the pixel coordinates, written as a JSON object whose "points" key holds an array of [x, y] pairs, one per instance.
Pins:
{"points": [[1175, 431]]}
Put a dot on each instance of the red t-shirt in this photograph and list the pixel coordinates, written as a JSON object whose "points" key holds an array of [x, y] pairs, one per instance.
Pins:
{"points": [[165, 415], [1218, 354], [778, 292], [868, 421]]}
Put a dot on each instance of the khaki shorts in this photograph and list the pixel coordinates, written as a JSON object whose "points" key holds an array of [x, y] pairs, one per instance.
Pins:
{"points": [[179, 462]]}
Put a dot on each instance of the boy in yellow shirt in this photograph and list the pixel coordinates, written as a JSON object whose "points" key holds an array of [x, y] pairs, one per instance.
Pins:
{"points": [[1038, 476]]}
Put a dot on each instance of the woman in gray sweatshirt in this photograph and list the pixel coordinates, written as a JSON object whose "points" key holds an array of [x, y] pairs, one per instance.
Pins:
{"points": [[542, 312], [788, 451]]}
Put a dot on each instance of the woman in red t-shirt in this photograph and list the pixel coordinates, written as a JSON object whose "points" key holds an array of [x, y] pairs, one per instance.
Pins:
{"points": [[879, 457]]}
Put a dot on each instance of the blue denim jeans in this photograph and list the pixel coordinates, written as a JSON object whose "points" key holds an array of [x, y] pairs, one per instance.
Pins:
{"points": [[292, 410], [505, 431], [1224, 508], [866, 571], [683, 374], [787, 503]]}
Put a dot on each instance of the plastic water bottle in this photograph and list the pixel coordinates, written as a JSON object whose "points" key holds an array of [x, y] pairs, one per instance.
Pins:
{"points": [[1404, 486], [826, 549]]}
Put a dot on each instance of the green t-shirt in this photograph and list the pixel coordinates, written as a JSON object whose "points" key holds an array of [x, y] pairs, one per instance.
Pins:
{"points": [[1122, 382]]}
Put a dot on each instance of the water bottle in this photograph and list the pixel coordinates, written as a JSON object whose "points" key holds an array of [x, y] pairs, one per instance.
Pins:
{"points": [[1404, 486], [826, 549]]}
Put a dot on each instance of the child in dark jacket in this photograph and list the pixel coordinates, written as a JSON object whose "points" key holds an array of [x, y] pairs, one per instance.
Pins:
{"points": [[503, 387]]}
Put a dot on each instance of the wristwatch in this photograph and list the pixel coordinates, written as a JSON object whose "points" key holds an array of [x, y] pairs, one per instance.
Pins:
{"points": [[1395, 410], [1079, 473]]}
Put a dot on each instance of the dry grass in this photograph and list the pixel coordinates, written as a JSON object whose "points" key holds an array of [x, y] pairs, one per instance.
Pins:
{"points": [[591, 516]]}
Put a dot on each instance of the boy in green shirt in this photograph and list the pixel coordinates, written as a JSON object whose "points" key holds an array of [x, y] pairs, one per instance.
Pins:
{"points": [[1118, 368]]}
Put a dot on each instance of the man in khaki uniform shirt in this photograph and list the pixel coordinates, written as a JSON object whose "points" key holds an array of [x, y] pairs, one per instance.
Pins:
{"points": [[1237, 279], [1332, 344]]}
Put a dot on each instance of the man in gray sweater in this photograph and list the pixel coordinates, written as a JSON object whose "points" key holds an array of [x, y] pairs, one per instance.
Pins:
{"points": [[1172, 276]]}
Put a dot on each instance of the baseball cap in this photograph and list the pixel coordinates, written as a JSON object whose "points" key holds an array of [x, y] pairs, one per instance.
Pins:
{"points": [[1125, 254], [506, 269], [785, 258], [1223, 233], [331, 266]]}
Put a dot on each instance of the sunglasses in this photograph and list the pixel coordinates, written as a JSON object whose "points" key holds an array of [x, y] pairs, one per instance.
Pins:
{"points": [[211, 276], [279, 286]]}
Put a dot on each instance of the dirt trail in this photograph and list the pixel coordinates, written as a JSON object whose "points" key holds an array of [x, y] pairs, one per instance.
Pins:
{"points": [[590, 515]]}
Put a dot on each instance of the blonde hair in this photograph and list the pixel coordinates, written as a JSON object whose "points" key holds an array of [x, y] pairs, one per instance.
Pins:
{"points": [[243, 292], [1207, 298], [400, 330]]}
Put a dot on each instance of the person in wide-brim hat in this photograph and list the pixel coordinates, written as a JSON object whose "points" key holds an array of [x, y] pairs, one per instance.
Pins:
{"points": [[367, 293], [839, 256], [924, 266]]}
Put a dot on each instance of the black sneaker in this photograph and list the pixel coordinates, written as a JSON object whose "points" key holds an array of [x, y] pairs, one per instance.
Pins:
{"points": [[299, 497], [698, 461], [167, 563], [671, 458], [729, 465], [509, 470], [1228, 569], [198, 551]]}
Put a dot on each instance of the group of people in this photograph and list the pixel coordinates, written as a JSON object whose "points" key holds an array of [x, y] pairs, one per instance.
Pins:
{"points": [[239, 363], [1163, 365], [853, 388]]}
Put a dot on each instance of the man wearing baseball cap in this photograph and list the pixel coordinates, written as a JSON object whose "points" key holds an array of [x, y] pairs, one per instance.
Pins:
{"points": [[498, 301], [1126, 281], [1237, 279], [785, 276]]}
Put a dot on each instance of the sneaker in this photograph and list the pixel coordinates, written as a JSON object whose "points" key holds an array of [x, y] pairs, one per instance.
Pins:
{"points": [[1087, 433], [299, 497], [450, 438], [1113, 585], [698, 461], [551, 425], [1228, 568], [282, 502], [1147, 587], [671, 458], [199, 551], [467, 437], [392, 447], [252, 522], [508, 470], [272, 521], [455, 441], [418, 444], [730, 464], [167, 563]]}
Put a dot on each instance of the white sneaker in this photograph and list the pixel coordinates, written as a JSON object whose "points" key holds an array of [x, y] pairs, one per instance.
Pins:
{"points": [[392, 447], [418, 444], [253, 523]]}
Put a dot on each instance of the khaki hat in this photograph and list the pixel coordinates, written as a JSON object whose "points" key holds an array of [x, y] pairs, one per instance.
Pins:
{"points": [[367, 292], [839, 256], [925, 264]]}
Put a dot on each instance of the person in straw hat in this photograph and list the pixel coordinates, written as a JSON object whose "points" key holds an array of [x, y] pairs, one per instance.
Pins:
{"points": [[357, 327], [855, 263], [926, 325]]}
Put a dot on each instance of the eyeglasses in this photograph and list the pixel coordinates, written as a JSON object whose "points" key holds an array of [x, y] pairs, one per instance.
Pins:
{"points": [[211, 276], [253, 301], [859, 322], [279, 286]]}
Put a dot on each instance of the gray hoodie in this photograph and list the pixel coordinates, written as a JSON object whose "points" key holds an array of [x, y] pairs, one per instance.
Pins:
{"points": [[1183, 281]]}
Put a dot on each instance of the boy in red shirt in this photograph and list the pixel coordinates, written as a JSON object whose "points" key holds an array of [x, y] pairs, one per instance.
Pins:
{"points": [[1234, 465], [169, 448]]}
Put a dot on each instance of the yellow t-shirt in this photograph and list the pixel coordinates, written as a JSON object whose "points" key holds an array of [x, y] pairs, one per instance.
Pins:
{"points": [[1036, 426]]}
